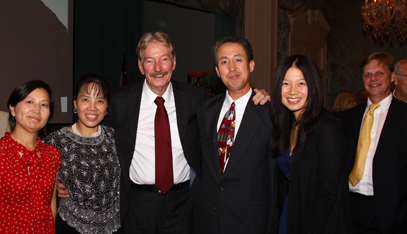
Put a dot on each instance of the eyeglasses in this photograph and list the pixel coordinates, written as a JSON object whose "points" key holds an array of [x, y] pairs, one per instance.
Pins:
{"points": [[400, 74]]}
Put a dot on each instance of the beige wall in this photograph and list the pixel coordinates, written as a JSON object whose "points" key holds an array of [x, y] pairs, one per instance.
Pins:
{"points": [[261, 31]]}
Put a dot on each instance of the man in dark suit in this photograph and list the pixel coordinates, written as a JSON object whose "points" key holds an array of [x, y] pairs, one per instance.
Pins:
{"points": [[377, 152], [234, 194], [147, 207]]}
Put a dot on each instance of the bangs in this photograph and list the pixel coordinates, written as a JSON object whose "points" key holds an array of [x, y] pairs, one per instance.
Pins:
{"points": [[94, 89]]}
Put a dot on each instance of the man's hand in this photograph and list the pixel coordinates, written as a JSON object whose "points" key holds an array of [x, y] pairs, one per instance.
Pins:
{"points": [[261, 97], [62, 191]]}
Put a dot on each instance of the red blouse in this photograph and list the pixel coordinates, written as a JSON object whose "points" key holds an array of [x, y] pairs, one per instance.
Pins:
{"points": [[26, 186]]}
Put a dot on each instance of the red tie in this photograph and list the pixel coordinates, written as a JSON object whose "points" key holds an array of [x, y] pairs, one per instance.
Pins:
{"points": [[226, 135], [163, 153]]}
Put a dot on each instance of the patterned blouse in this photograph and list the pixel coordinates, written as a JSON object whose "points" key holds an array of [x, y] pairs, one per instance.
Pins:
{"points": [[90, 171]]}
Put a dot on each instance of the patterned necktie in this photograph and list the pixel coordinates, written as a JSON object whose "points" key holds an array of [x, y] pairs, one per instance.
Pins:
{"points": [[163, 150], [363, 146], [226, 135]]}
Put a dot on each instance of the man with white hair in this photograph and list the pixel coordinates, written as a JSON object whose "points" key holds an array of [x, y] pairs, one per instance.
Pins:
{"points": [[400, 80]]}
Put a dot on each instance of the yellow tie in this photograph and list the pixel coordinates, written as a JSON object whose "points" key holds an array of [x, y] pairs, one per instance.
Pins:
{"points": [[363, 146]]}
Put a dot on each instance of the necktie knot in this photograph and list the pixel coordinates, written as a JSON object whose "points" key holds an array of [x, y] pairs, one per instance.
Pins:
{"points": [[373, 107], [159, 101], [232, 107]]}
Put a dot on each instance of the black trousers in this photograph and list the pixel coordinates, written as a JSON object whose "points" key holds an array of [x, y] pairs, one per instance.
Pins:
{"points": [[154, 213], [61, 227], [363, 214]]}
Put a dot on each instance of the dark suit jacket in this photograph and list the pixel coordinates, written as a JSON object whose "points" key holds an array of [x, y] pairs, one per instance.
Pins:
{"points": [[318, 194], [238, 200], [389, 164], [123, 116]]}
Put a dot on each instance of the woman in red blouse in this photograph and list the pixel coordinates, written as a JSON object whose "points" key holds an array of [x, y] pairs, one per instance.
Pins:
{"points": [[28, 166]]}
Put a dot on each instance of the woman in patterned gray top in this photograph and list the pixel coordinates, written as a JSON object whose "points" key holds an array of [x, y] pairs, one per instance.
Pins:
{"points": [[90, 167]]}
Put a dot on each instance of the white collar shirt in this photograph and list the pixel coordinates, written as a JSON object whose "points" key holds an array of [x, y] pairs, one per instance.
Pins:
{"points": [[240, 107], [365, 186], [142, 168]]}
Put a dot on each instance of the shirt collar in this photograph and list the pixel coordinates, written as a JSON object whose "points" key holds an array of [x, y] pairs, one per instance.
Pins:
{"points": [[149, 96], [384, 104], [239, 103]]}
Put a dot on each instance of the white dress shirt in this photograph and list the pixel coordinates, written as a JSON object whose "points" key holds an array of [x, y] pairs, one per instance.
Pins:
{"points": [[365, 186], [142, 168], [240, 107]]}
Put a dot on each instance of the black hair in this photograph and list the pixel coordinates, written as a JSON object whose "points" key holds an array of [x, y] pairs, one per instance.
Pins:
{"points": [[92, 82], [233, 39], [283, 119], [24, 89]]}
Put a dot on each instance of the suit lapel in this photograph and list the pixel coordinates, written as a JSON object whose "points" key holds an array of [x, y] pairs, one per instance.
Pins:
{"points": [[357, 120], [391, 122], [211, 121], [181, 100], [133, 100], [248, 127], [356, 123]]}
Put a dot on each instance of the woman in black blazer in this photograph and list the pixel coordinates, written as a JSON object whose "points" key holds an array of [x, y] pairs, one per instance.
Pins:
{"points": [[310, 190]]}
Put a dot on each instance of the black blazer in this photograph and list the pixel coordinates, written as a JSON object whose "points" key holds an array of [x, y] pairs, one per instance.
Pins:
{"points": [[389, 164], [318, 195], [123, 113], [238, 200]]}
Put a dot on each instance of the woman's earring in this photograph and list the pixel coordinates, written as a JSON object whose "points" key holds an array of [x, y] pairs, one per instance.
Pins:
{"points": [[106, 113], [13, 122], [75, 111], [45, 130]]}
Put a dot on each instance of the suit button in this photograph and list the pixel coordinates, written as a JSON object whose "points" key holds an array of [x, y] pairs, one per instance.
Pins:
{"points": [[215, 208], [220, 188], [127, 204]]}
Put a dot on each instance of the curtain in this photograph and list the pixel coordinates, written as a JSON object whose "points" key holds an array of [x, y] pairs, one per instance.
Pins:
{"points": [[102, 29]]}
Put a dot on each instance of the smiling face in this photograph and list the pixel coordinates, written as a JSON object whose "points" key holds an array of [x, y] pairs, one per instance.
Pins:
{"points": [[294, 91], [157, 65], [377, 80], [91, 106], [32, 113], [234, 69]]}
